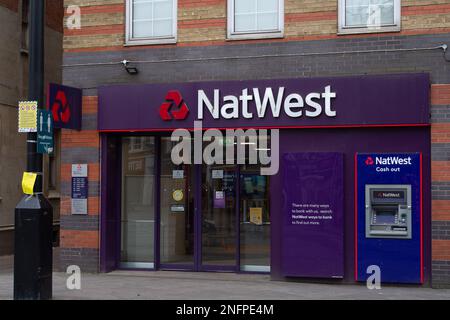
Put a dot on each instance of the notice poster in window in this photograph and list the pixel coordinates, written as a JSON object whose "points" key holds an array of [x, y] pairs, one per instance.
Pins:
{"points": [[219, 199], [177, 174], [217, 174], [256, 215]]}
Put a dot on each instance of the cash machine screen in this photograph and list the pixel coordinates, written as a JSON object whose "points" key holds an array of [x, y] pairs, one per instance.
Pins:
{"points": [[385, 217]]}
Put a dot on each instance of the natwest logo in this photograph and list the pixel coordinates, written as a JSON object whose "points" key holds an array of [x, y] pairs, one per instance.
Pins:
{"points": [[60, 108], [174, 107], [369, 161]]}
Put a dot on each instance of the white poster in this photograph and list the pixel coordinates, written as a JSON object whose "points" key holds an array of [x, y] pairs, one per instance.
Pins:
{"points": [[217, 174], [79, 206], [177, 174], [79, 170]]}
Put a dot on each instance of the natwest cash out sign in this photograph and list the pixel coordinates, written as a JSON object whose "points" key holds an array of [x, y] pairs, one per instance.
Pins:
{"points": [[387, 163], [285, 103]]}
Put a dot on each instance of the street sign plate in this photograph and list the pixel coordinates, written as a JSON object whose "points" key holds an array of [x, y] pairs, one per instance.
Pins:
{"points": [[44, 132]]}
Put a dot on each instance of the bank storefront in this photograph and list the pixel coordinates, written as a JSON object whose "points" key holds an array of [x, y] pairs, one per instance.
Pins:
{"points": [[306, 178]]}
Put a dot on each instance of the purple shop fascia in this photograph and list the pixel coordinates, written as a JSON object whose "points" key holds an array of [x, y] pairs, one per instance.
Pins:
{"points": [[324, 124], [290, 103]]}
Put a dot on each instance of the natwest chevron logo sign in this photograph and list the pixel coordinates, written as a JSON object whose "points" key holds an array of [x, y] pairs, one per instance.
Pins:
{"points": [[369, 161], [174, 107], [61, 108], [65, 105]]}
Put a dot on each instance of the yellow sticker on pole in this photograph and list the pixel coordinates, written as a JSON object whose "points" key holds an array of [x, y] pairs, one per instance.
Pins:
{"points": [[28, 181]]}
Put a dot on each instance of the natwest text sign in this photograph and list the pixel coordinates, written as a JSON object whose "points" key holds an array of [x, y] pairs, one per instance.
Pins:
{"points": [[287, 103]]}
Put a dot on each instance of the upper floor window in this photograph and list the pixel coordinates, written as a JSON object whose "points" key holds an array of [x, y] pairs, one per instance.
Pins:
{"points": [[151, 21], [253, 19], [363, 16]]}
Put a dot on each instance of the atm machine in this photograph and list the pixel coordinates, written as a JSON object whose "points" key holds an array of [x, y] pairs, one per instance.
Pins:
{"points": [[389, 217], [388, 211]]}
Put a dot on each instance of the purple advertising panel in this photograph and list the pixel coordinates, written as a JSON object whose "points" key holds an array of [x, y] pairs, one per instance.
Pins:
{"points": [[380, 100], [65, 105], [313, 224]]}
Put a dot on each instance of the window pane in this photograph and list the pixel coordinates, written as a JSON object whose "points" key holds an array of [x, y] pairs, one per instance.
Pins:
{"points": [[387, 14], [142, 29], [162, 28], [152, 18], [256, 15], [353, 3], [381, 2], [142, 10], [369, 12], [268, 21], [267, 5], [356, 16], [245, 6], [356, 12], [245, 22], [163, 10]]}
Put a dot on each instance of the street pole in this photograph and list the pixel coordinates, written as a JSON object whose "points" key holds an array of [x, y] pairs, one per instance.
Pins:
{"points": [[34, 214]]}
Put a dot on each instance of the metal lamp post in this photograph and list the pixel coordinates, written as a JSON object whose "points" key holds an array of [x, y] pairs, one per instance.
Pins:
{"points": [[34, 213]]}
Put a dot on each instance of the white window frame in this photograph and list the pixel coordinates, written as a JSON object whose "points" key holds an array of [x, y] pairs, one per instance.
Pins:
{"points": [[232, 35], [343, 29], [130, 41]]}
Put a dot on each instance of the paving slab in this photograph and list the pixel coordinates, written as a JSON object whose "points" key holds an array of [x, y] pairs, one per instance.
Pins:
{"points": [[168, 285]]}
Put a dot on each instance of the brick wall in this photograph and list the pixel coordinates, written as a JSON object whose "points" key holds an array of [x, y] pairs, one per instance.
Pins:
{"points": [[440, 131], [79, 233], [203, 22], [54, 13], [10, 4]]}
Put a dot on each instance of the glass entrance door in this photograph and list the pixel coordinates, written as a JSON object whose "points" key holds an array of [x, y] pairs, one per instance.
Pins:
{"points": [[138, 211], [176, 211], [254, 220], [191, 217], [218, 218]]}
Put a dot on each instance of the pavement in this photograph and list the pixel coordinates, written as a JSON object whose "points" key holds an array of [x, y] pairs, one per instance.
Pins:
{"points": [[168, 285]]}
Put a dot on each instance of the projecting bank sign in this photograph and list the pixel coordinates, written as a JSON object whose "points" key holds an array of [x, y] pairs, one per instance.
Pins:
{"points": [[287, 103]]}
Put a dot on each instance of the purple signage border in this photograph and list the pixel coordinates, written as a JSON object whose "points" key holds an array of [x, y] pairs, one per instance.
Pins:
{"points": [[375, 100]]}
